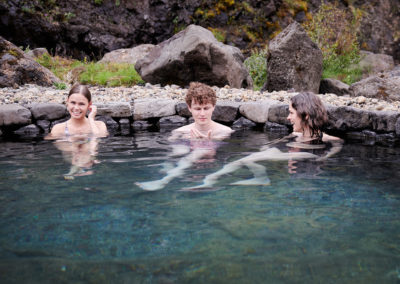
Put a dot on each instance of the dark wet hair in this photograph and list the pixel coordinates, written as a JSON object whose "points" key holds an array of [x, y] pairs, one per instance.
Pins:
{"points": [[308, 104], [81, 89], [201, 94]]}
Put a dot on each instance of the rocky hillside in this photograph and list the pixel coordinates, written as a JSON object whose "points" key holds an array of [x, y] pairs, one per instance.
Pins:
{"points": [[94, 27]]}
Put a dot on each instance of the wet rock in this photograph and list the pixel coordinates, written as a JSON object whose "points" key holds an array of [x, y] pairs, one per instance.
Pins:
{"points": [[183, 110], [125, 126], [294, 61], [194, 55], [275, 127], [225, 111], [18, 68], [117, 109], [112, 125], [243, 123], [174, 121], [333, 86], [278, 113], [14, 115], [149, 108], [127, 55], [44, 125], [48, 111], [141, 125], [384, 121], [29, 130], [348, 118]]}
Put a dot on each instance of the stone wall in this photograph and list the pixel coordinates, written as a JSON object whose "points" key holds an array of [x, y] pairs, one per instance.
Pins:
{"points": [[37, 119]]}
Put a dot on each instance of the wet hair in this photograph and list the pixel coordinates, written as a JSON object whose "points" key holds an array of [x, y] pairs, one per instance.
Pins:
{"points": [[308, 104], [201, 94], [81, 89]]}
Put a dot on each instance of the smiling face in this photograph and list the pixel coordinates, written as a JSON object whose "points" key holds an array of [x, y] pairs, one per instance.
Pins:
{"points": [[77, 105], [201, 113], [295, 119]]}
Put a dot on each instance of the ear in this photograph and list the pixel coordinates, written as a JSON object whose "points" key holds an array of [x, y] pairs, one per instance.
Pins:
{"points": [[190, 109]]}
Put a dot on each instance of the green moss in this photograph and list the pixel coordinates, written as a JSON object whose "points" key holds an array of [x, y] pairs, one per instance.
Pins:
{"points": [[219, 34], [256, 64]]}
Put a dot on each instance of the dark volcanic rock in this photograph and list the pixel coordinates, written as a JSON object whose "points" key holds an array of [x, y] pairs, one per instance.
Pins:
{"points": [[293, 62], [194, 55], [16, 68]]}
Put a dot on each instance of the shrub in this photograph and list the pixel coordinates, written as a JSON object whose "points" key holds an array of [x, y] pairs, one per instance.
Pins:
{"points": [[58, 65], [335, 32], [256, 64]]}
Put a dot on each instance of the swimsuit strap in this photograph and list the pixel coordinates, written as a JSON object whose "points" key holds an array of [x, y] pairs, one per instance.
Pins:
{"points": [[66, 131]]}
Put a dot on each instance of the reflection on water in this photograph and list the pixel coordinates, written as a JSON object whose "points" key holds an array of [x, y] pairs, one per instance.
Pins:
{"points": [[331, 222]]}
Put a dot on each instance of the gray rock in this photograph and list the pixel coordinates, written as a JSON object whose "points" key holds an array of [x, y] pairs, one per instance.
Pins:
{"points": [[384, 121], [333, 86], [173, 121], [294, 61], [44, 125], [345, 118], [150, 108], [29, 130], [37, 52], [183, 110], [243, 123], [275, 127], [385, 86], [14, 115], [397, 127], [114, 109], [125, 126], [48, 111], [225, 111], [127, 55], [256, 111], [373, 63], [141, 125], [23, 70], [194, 55], [278, 113]]}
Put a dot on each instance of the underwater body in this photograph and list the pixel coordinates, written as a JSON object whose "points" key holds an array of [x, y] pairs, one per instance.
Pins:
{"points": [[335, 221]]}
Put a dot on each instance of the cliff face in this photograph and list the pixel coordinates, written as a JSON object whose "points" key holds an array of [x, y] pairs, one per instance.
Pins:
{"points": [[93, 27]]}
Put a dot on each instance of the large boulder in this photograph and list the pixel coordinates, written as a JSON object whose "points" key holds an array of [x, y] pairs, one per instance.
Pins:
{"points": [[127, 55], [194, 55], [19, 69], [48, 111], [333, 86], [151, 108], [385, 86], [294, 61]]}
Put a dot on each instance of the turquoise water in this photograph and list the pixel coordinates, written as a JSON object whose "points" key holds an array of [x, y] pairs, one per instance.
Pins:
{"points": [[331, 222]]}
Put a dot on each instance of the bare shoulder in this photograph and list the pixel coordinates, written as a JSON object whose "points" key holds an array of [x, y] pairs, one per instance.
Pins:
{"points": [[181, 132], [102, 127], [58, 130], [221, 131]]}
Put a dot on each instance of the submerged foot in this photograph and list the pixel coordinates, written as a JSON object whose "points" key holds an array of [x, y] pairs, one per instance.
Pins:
{"points": [[150, 185], [253, 181]]}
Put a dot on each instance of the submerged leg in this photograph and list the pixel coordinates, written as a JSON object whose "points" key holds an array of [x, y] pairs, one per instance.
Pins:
{"points": [[182, 165], [260, 176]]}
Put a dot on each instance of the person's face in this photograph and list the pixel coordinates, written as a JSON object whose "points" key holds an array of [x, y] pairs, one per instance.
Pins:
{"points": [[201, 113], [77, 105], [294, 119]]}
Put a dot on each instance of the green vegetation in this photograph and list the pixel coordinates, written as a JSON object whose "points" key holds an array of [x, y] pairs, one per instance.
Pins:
{"points": [[60, 86], [219, 34], [110, 74], [335, 32], [256, 64], [98, 2], [107, 74]]}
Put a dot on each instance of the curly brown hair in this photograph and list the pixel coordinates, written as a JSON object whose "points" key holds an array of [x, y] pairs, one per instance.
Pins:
{"points": [[312, 112], [201, 94]]}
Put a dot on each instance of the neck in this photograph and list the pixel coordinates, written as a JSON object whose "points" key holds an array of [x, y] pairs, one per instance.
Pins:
{"points": [[77, 122]]}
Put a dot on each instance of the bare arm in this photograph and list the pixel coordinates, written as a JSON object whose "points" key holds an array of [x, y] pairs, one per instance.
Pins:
{"points": [[99, 129]]}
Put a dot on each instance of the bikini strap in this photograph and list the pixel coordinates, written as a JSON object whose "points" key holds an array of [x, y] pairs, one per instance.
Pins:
{"points": [[66, 131]]}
